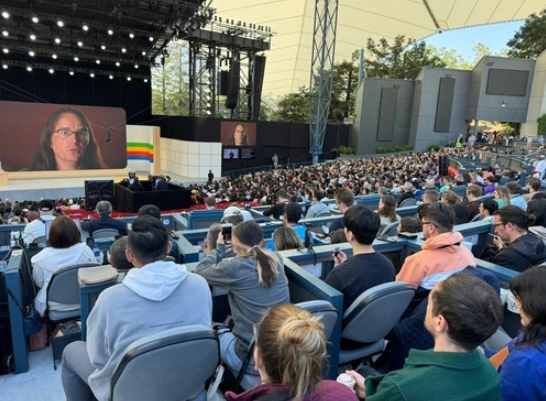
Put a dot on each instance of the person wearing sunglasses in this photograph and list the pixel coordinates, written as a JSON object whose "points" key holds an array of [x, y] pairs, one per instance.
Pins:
{"points": [[67, 143]]}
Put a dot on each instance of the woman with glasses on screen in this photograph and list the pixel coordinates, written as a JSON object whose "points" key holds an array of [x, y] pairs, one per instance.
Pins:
{"points": [[239, 136], [290, 352], [67, 143]]}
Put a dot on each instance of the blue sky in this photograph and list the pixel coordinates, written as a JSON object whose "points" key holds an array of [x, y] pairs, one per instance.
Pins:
{"points": [[495, 36]]}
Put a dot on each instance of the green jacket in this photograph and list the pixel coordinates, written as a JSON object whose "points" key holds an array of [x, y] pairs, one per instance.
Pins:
{"points": [[441, 376]]}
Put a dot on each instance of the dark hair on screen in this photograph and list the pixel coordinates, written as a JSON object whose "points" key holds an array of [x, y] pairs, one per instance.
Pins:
{"points": [[293, 212], [244, 139], [43, 157], [250, 234], [471, 307], [363, 223], [389, 208], [529, 288], [64, 233], [148, 239]]}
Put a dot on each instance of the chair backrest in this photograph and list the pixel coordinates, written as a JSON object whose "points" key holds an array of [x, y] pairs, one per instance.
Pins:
{"points": [[477, 217], [169, 365], [105, 233], [375, 312], [64, 287], [325, 310], [408, 202], [390, 230], [324, 214]]}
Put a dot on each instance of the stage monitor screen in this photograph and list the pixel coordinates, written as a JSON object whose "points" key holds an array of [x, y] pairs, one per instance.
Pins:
{"points": [[43, 136], [231, 153], [235, 133], [247, 153]]}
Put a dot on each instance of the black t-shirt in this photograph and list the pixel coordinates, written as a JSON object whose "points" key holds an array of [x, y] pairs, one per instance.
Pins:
{"points": [[360, 273], [337, 224], [276, 210]]}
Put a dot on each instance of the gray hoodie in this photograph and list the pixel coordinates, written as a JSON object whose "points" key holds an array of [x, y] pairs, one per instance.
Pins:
{"points": [[152, 298]]}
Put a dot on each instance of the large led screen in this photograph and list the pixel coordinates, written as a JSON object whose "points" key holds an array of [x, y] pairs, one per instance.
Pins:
{"points": [[43, 136], [238, 133]]}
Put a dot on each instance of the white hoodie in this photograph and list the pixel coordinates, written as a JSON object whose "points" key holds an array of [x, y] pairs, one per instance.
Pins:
{"points": [[155, 297]]}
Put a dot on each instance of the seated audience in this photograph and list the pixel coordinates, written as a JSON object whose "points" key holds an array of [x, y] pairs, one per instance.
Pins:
{"points": [[366, 268], [36, 228], [253, 273], [487, 208], [463, 311], [515, 195], [286, 238], [533, 186], [118, 258], [473, 194], [490, 185], [66, 249], [523, 361], [338, 237], [453, 200], [344, 200], [290, 352], [517, 249], [153, 210], [387, 211], [291, 217], [441, 255], [232, 215], [105, 220], [278, 208], [536, 212], [502, 196], [408, 192], [318, 207], [147, 301], [409, 225], [431, 196], [210, 203]]}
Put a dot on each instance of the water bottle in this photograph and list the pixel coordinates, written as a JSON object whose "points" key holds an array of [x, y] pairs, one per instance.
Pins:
{"points": [[98, 253]]}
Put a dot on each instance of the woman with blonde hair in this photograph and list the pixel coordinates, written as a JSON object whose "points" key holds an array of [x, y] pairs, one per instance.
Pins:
{"points": [[286, 238], [502, 196], [254, 280], [290, 352]]}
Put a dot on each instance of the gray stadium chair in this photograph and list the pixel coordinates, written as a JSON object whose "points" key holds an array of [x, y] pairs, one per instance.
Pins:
{"points": [[371, 317], [390, 230], [171, 365], [408, 202]]}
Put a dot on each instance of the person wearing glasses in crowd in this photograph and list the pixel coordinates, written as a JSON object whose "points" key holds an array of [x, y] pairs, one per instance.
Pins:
{"points": [[67, 143], [517, 249]]}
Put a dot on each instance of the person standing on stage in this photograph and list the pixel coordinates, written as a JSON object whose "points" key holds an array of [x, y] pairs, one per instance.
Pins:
{"points": [[275, 159], [211, 176]]}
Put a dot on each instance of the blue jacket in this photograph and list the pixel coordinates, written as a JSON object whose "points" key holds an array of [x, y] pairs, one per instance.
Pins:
{"points": [[105, 221], [523, 372]]}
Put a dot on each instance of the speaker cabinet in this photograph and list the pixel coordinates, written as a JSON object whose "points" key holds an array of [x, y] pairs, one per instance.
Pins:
{"points": [[233, 84], [443, 165], [96, 191], [223, 82]]}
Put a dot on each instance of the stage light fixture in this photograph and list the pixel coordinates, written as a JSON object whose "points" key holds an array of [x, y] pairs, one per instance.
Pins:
{"points": [[5, 50], [35, 19], [51, 71], [5, 66], [76, 59], [58, 41], [5, 33], [123, 50], [85, 27], [29, 68], [71, 72], [117, 64], [32, 36], [92, 75], [136, 65], [131, 35], [143, 53], [54, 56], [145, 79], [31, 53], [97, 61], [80, 43], [60, 23], [110, 31], [111, 76], [128, 78], [151, 38], [5, 14], [103, 46]]}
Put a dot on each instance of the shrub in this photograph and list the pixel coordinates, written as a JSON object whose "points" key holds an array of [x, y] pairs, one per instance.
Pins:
{"points": [[345, 150], [434, 147]]}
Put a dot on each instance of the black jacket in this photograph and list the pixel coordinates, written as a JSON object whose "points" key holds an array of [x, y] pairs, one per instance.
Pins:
{"points": [[525, 252]]}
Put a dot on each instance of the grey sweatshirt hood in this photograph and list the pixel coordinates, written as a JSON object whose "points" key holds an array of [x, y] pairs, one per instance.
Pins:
{"points": [[155, 281]]}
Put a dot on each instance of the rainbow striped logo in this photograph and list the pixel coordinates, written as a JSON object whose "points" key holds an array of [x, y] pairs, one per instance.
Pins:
{"points": [[140, 151]]}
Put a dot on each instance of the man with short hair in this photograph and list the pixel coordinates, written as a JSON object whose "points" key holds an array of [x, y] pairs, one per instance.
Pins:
{"points": [[154, 296], [533, 186], [463, 311], [319, 207], [232, 215], [367, 268], [210, 203], [442, 253], [278, 208], [408, 192], [105, 220], [117, 257], [517, 248], [515, 198], [36, 228], [473, 194], [431, 196], [344, 200], [153, 210]]}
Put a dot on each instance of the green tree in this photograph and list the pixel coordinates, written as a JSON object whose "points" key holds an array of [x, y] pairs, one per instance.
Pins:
{"points": [[451, 57], [529, 41], [293, 108], [402, 59]]}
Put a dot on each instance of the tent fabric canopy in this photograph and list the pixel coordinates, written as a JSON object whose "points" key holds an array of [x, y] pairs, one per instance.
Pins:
{"points": [[289, 60]]}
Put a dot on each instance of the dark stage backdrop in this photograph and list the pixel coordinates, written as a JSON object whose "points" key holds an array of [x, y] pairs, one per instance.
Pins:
{"points": [[23, 123]]}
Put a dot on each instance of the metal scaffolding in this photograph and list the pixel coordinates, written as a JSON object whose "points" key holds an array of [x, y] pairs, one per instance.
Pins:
{"points": [[322, 65]]}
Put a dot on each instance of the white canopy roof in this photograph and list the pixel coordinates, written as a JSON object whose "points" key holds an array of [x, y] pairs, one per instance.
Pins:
{"points": [[289, 60]]}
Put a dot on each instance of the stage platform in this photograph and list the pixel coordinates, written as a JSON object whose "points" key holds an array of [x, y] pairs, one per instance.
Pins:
{"points": [[73, 187]]}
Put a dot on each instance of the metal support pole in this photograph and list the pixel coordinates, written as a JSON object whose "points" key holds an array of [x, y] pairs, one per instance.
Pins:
{"points": [[322, 64]]}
